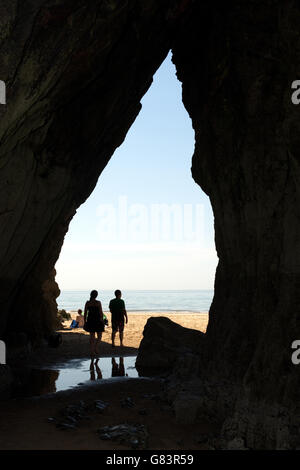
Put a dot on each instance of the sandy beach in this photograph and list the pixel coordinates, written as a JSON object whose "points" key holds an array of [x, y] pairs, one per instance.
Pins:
{"points": [[75, 342], [133, 332]]}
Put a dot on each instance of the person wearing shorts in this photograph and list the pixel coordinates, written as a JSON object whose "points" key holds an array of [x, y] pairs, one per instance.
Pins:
{"points": [[118, 317]]}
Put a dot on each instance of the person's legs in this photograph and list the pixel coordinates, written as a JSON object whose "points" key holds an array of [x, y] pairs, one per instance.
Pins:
{"points": [[92, 343], [121, 329], [114, 328], [92, 371], [113, 335], [99, 336], [99, 373]]}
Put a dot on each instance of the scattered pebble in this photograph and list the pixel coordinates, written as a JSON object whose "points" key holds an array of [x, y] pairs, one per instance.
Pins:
{"points": [[71, 415], [100, 405], [127, 403], [66, 426], [133, 435]]}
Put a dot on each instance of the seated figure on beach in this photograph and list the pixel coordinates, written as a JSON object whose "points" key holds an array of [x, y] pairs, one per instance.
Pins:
{"points": [[80, 319], [74, 324], [93, 321], [118, 313]]}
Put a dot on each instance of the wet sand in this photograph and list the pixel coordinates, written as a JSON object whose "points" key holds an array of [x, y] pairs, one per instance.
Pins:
{"points": [[24, 422]]}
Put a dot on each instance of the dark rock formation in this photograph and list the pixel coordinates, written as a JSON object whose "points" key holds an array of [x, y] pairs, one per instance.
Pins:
{"points": [[237, 63], [164, 342], [75, 72], [246, 159]]}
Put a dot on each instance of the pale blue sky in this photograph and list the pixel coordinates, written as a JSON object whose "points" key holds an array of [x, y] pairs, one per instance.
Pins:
{"points": [[116, 237]]}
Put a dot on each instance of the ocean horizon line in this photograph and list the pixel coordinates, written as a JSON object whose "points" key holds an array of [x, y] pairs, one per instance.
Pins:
{"points": [[144, 300], [137, 290], [162, 310]]}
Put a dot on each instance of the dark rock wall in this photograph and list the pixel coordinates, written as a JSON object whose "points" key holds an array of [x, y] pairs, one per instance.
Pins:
{"points": [[75, 73], [237, 63]]}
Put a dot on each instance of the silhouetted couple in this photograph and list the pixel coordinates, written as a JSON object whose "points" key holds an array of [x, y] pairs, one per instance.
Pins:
{"points": [[94, 322]]}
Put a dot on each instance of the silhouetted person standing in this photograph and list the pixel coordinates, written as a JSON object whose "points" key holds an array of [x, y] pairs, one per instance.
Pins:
{"points": [[118, 314], [93, 321]]}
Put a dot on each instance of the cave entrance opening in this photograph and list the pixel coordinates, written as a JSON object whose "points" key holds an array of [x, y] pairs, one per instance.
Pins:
{"points": [[147, 228]]}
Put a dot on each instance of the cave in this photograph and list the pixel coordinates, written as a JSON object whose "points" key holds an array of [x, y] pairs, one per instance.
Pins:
{"points": [[75, 74]]}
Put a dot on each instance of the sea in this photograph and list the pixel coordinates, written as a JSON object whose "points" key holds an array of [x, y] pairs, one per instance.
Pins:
{"points": [[143, 300]]}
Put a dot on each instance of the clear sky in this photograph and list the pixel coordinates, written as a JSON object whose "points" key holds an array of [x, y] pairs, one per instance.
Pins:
{"points": [[147, 225]]}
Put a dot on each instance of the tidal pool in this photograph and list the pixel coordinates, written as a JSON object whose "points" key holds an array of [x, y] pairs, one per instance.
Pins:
{"points": [[73, 373]]}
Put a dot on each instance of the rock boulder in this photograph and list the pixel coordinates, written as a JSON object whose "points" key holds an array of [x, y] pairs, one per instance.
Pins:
{"points": [[164, 343]]}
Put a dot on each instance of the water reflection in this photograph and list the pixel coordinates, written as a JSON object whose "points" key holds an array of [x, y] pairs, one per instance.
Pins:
{"points": [[118, 370], [94, 367], [71, 374]]}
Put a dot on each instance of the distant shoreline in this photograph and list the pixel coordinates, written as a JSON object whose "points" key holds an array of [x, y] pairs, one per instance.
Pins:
{"points": [[154, 312], [140, 290]]}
